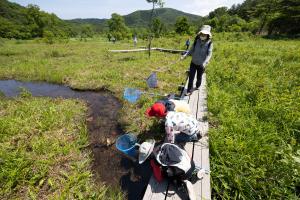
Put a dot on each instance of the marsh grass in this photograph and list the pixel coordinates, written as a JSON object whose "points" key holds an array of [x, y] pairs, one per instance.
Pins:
{"points": [[253, 100], [40, 151], [88, 65]]}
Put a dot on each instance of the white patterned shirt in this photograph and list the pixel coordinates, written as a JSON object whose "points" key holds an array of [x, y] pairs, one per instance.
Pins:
{"points": [[180, 122]]}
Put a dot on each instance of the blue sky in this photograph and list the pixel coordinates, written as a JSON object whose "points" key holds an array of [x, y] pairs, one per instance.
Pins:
{"points": [[70, 9]]}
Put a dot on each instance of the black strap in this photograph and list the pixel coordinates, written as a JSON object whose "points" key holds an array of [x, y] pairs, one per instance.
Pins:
{"points": [[168, 184], [183, 84], [193, 151], [195, 40]]}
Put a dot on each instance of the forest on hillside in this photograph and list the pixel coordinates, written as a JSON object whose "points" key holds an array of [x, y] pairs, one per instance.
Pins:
{"points": [[30, 22], [264, 17]]}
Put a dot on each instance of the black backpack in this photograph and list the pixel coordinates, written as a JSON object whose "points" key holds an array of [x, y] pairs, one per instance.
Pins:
{"points": [[168, 157]]}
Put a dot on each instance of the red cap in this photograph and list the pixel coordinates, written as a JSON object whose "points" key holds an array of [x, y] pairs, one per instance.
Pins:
{"points": [[156, 110]]}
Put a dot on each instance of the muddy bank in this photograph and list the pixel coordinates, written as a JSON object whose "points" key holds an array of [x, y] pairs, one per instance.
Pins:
{"points": [[109, 166]]}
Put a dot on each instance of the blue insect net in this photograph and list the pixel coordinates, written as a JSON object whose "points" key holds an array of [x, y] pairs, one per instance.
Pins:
{"points": [[132, 95]]}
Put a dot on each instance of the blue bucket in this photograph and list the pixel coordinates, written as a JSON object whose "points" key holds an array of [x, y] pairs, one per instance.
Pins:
{"points": [[126, 143]]}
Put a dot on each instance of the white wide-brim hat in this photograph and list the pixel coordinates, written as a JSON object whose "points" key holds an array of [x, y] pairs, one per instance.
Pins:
{"points": [[145, 150], [206, 29]]}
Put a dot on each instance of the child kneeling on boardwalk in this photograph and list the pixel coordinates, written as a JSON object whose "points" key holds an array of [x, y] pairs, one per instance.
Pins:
{"points": [[171, 162], [179, 126], [182, 127]]}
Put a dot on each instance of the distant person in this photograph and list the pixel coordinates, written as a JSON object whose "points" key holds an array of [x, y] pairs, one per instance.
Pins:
{"points": [[201, 52], [109, 37], [135, 40], [187, 43], [113, 39]]}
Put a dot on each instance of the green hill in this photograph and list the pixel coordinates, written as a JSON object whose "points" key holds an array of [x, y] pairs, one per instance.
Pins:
{"points": [[166, 15], [12, 11], [97, 25], [141, 18], [92, 21]]}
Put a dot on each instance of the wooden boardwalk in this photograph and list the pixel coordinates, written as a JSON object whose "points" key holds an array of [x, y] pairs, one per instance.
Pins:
{"points": [[146, 49], [198, 105]]}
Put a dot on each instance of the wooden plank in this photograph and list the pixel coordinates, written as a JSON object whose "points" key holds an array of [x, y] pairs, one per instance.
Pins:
{"points": [[202, 112], [202, 103], [197, 159], [193, 102], [201, 148], [155, 190], [146, 49], [127, 51], [201, 187], [206, 193]]}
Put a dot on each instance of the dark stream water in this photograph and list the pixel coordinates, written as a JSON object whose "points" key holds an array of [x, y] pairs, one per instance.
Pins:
{"points": [[109, 165]]}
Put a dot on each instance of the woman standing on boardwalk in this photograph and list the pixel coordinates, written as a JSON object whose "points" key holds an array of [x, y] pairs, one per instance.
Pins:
{"points": [[201, 52]]}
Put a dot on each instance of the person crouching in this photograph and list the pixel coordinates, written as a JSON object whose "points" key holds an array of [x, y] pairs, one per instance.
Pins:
{"points": [[179, 126]]}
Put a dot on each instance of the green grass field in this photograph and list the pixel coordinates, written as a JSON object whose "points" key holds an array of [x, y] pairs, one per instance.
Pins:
{"points": [[253, 102], [41, 156]]}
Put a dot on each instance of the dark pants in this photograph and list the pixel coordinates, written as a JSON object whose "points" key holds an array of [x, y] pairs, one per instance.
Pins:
{"points": [[193, 69], [182, 137]]}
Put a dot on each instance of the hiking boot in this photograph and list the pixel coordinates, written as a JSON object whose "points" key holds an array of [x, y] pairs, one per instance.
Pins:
{"points": [[188, 93], [181, 187]]}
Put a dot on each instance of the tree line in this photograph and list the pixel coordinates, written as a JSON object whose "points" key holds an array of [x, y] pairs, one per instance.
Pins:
{"points": [[262, 17], [268, 17], [30, 22]]}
